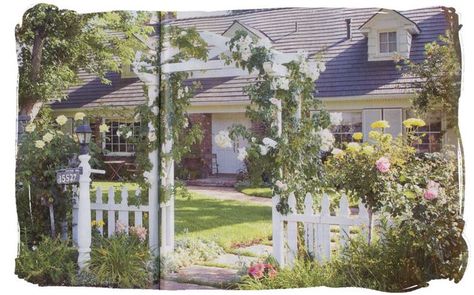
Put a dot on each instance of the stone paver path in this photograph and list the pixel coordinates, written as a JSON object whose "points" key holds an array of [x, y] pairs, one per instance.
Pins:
{"points": [[228, 193], [206, 276], [234, 261]]}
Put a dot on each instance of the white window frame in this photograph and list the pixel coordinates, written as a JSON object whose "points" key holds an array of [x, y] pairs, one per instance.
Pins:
{"points": [[387, 54], [427, 133], [104, 138]]}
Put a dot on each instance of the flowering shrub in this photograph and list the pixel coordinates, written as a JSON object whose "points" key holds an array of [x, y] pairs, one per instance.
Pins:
{"points": [[42, 150], [260, 270], [419, 193]]}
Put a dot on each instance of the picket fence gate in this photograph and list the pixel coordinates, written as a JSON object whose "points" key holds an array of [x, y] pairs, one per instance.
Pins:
{"points": [[317, 227], [109, 210]]}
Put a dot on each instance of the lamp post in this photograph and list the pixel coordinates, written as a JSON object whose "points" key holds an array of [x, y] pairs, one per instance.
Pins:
{"points": [[84, 134]]}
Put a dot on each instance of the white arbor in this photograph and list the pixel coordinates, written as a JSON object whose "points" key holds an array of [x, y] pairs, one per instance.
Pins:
{"points": [[200, 69]]}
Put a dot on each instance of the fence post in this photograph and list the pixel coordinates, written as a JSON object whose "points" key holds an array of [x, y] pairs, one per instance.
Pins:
{"points": [[323, 240], [344, 213], [292, 232], [309, 227], [111, 213], [277, 232], [84, 215], [75, 213], [365, 221], [123, 215]]}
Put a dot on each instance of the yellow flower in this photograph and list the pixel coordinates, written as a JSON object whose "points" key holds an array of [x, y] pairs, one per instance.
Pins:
{"points": [[93, 223], [387, 137], [374, 134], [30, 127], [368, 150], [353, 147], [48, 137], [61, 120], [39, 144], [380, 124], [104, 128], [413, 122], [338, 153], [59, 132], [79, 116], [358, 136]]}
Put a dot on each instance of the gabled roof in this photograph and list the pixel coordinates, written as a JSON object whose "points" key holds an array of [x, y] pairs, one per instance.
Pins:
{"points": [[320, 31], [239, 25], [416, 29]]}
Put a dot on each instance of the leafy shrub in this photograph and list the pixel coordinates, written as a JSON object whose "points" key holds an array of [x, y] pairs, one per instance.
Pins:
{"points": [[188, 251], [120, 261], [51, 262]]}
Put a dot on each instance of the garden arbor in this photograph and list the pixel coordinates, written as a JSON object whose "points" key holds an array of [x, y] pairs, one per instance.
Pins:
{"points": [[218, 45]]}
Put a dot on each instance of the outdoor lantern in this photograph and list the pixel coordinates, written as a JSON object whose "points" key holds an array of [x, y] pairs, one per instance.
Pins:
{"points": [[84, 134]]}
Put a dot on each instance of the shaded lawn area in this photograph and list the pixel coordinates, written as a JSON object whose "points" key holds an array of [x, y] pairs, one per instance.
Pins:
{"points": [[227, 222], [263, 192]]}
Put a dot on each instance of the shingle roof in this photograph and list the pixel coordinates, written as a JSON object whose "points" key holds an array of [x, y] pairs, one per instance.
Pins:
{"points": [[320, 30]]}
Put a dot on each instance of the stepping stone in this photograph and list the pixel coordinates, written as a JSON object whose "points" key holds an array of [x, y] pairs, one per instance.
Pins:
{"points": [[172, 285], [257, 250], [236, 261], [206, 275]]}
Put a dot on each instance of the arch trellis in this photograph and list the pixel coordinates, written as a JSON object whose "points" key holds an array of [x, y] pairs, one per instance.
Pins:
{"points": [[212, 68]]}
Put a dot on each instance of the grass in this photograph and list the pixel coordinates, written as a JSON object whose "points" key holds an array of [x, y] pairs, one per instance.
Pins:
{"points": [[263, 192], [227, 222]]}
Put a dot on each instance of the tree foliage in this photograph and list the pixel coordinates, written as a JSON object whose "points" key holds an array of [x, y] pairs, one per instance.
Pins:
{"points": [[437, 79], [54, 44]]}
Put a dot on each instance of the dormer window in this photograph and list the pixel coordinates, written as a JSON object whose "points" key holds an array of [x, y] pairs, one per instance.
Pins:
{"points": [[389, 35], [388, 42]]}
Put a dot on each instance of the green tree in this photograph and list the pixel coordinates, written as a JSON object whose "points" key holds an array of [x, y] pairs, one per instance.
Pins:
{"points": [[439, 78], [54, 44]]}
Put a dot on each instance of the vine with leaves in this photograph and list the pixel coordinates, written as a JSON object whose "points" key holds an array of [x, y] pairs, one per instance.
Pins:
{"points": [[296, 150]]}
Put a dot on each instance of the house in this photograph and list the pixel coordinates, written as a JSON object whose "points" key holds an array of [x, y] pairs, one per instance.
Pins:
{"points": [[361, 79]]}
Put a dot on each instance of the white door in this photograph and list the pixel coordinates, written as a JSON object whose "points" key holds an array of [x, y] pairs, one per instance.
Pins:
{"points": [[227, 157]]}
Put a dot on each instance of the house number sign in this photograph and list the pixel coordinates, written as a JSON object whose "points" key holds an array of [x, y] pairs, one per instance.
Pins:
{"points": [[68, 176]]}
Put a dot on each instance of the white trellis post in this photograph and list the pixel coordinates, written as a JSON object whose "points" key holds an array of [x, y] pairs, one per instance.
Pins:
{"points": [[167, 208], [152, 82]]}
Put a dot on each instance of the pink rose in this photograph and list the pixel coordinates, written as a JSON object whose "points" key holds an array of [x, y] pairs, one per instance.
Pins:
{"points": [[383, 164], [432, 189]]}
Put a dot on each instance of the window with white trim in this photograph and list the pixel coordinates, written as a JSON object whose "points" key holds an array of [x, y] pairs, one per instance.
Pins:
{"points": [[388, 42], [351, 123], [431, 134], [119, 145]]}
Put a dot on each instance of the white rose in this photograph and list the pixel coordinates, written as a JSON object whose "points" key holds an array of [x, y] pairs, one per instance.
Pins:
{"points": [[48, 137], [327, 139], [79, 116], [39, 144], [276, 102], [268, 142], [119, 133], [103, 128], [282, 186], [30, 127], [61, 120], [253, 139], [242, 154], [335, 118], [129, 134], [336, 151], [223, 140], [263, 150]]}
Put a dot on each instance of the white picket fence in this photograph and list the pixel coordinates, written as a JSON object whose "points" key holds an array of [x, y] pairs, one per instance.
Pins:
{"points": [[317, 227], [109, 210]]}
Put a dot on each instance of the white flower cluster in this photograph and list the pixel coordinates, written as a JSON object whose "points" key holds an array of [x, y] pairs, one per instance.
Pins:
{"points": [[281, 185], [327, 139], [182, 92], [242, 154], [335, 118], [309, 69], [280, 83], [268, 143], [243, 46], [276, 102], [223, 140]]}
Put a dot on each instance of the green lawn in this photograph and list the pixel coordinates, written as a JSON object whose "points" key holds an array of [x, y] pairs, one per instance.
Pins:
{"points": [[227, 222], [264, 192]]}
